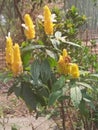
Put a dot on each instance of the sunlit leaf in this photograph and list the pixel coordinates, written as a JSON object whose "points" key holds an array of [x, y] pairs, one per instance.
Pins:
{"points": [[50, 53], [84, 84], [76, 95], [73, 44], [26, 58]]}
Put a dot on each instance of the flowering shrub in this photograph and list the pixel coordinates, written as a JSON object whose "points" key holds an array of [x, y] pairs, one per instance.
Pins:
{"points": [[46, 69]]}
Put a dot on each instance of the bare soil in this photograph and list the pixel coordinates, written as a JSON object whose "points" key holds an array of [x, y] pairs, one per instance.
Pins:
{"points": [[11, 106]]}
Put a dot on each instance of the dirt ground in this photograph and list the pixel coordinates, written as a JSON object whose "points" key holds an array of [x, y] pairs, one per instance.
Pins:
{"points": [[13, 112], [11, 106]]}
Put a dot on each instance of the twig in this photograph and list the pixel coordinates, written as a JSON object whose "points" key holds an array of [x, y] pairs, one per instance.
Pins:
{"points": [[1, 8], [19, 14]]}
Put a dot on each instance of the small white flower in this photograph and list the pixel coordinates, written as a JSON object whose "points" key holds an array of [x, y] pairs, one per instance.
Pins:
{"points": [[53, 16], [9, 34], [24, 26], [41, 17]]}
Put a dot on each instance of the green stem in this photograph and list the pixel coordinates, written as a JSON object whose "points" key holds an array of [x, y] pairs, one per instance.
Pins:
{"points": [[63, 116]]}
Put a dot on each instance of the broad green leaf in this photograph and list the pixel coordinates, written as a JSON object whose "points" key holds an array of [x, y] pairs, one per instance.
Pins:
{"points": [[94, 75], [84, 84], [76, 95], [54, 96], [83, 108], [44, 92], [45, 71], [16, 88], [27, 94], [52, 61], [26, 58], [59, 84], [41, 98], [32, 47], [35, 70]]}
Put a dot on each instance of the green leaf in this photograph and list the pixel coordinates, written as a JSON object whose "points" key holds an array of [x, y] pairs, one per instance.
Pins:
{"points": [[45, 71], [55, 43], [52, 62], [73, 44], [83, 108], [73, 9], [32, 47], [27, 94], [94, 75], [50, 53], [16, 88], [41, 98], [84, 84], [76, 95], [40, 42], [60, 83], [35, 70], [54, 96], [26, 58]]}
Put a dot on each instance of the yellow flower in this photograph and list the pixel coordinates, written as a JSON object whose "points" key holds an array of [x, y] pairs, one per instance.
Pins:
{"points": [[48, 25], [17, 67], [9, 51], [30, 33], [61, 65], [65, 54], [29, 27], [74, 70], [28, 21], [64, 63], [66, 67]]}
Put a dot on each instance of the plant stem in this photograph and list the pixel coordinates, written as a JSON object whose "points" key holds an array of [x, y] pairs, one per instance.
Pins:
{"points": [[63, 115]]}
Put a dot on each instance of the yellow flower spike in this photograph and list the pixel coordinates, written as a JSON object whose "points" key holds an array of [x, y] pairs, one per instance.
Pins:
{"points": [[47, 12], [9, 51], [75, 70], [29, 27], [48, 25], [17, 67], [65, 54], [28, 21], [61, 65], [30, 33]]}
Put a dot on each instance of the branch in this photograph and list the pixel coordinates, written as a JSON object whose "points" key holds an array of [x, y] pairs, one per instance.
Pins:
{"points": [[1, 8], [20, 16]]}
